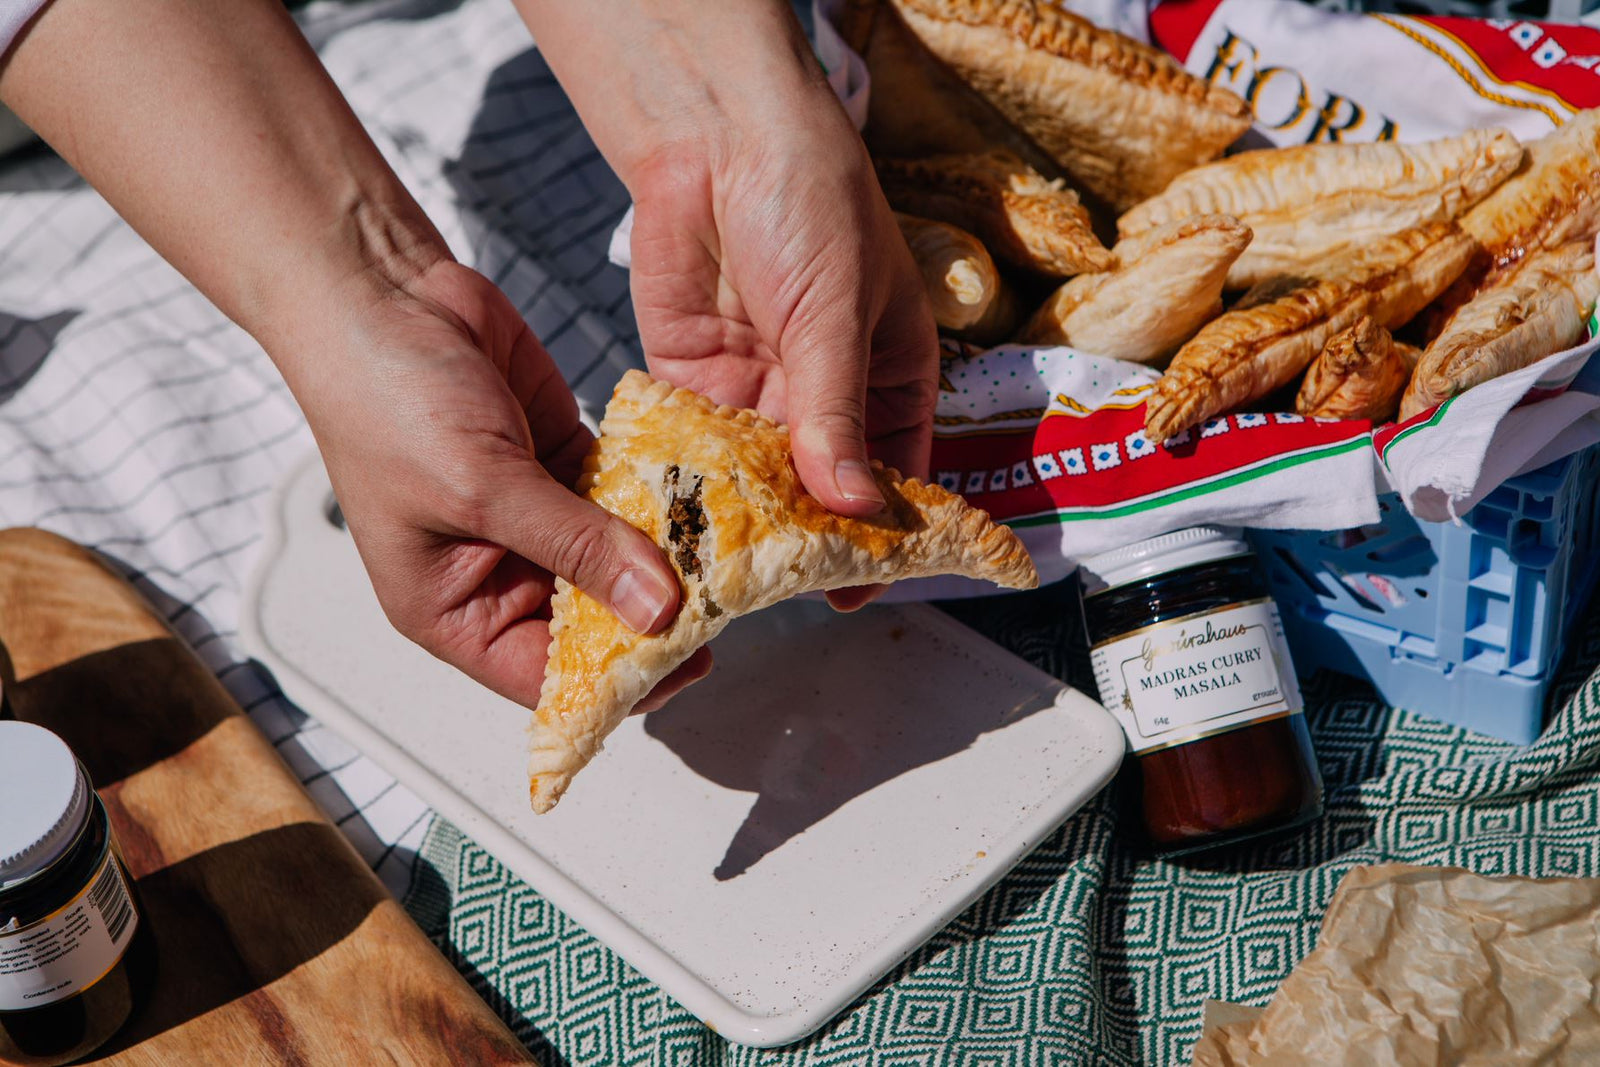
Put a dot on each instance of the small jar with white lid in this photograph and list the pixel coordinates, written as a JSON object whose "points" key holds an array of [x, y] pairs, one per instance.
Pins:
{"points": [[1189, 655], [75, 952]]}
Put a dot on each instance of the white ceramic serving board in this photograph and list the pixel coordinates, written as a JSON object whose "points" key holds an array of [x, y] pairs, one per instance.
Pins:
{"points": [[765, 847]]}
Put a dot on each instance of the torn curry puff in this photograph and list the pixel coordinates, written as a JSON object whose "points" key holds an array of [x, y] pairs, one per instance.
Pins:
{"points": [[716, 488], [969, 297], [1360, 375], [1536, 310], [1024, 219], [1120, 117], [1308, 202], [1277, 330], [1170, 284]]}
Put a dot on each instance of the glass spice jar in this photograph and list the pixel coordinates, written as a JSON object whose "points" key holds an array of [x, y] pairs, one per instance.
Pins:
{"points": [[75, 952], [1189, 655]]}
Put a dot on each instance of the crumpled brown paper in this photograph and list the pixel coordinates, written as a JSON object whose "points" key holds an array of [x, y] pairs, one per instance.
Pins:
{"points": [[1432, 965]]}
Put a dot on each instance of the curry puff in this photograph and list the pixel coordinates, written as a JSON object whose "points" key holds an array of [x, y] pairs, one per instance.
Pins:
{"points": [[1552, 199], [1169, 285], [716, 488], [1120, 117], [1308, 202], [1360, 375], [1024, 219], [1278, 329], [969, 297], [1533, 311]]}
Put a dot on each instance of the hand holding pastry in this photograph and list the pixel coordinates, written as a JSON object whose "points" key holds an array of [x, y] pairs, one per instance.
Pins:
{"points": [[454, 473], [716, 488], [768, 271]]}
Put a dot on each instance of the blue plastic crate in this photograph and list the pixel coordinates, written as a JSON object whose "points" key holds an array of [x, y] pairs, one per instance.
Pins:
{"points": [[1462, 623]]}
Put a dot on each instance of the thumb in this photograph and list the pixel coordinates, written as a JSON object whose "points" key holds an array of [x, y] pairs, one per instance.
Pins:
{"points": [[825, 362], [543, 521]]}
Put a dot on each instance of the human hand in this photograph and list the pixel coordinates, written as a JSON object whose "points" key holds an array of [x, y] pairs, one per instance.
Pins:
{"points": [[453, 443], [767, 270]]}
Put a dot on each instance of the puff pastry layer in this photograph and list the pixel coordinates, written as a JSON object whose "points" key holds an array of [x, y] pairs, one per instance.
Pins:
{"points": [[1169, 285], [969, 297], [1278, 329], [919, 106], [1121, 118], [716, 488], [1360, 375], [1534, 311], [1309, 202], [1553, 198], [1026, 220]]}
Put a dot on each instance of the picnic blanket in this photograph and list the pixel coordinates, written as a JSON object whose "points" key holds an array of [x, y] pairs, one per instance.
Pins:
{"points": [[135, 419]]}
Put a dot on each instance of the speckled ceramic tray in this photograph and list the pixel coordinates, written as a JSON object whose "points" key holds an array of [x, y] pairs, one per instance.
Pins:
{"points": [[764, 848]]}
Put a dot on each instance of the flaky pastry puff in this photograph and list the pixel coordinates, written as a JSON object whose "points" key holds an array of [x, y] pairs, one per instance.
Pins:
{"points": [[1360, 374], [1278, 329], [1553, 198], [1023, 218], [716, 488], [1121, 118], [1535, 310], [1169, 285], [1308, 202], [969, 297], [919, 106]]}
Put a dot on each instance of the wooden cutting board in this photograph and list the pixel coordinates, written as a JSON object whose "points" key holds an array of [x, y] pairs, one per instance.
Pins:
{"points": [[274, 942]]}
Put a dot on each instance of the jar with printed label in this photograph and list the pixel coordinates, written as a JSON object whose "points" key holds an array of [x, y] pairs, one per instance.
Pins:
{"points": [[1189, 655], [75, 952]]}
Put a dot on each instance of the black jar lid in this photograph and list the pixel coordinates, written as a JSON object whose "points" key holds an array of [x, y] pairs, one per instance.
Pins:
{"points": [[45, 800], [1159, 555]]}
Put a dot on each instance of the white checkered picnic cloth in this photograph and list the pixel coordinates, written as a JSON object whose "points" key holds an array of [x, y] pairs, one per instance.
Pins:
{"points": [[134, 418]]}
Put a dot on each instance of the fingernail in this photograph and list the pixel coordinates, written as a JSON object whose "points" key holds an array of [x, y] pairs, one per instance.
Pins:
{"points": [[855, 481], [639, 599]]}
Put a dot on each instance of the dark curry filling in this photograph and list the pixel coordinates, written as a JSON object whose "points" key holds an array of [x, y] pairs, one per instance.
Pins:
{"points": [[686, 524]]}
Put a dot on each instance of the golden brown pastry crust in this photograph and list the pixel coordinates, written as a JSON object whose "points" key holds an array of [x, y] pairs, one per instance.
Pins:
{"points": [[1309, 202], [1275, 332], [1553, 198], [716, 488], [1360, 374], [918, 106], [969, 297], [1023, 218], [1121, 118], [1169, 285], [1533, 311]]}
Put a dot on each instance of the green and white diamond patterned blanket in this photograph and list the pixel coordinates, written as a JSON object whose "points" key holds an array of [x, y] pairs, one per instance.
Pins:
{"points": [[1086, 953]]}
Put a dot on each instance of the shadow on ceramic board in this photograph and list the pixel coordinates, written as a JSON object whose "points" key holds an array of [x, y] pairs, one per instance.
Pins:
{"points": [[807, 754]]}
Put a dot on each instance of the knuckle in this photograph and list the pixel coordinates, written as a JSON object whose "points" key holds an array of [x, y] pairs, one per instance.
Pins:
{"points": [[581, 551], [467, 507]]}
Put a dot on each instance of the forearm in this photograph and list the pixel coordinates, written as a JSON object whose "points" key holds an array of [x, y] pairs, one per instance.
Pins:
{"points": [[649, 75], [214, 130]]}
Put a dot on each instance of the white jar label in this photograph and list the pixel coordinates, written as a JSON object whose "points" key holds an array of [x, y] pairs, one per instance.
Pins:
{"points": [[1204, 673], [70, 950]]}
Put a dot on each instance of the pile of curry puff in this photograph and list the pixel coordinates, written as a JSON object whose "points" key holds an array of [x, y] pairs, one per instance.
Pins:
{"points": [[1016, 142]]}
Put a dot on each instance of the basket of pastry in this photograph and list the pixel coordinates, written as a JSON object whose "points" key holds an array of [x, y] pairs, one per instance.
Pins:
{"points": [[1258, 264]]}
